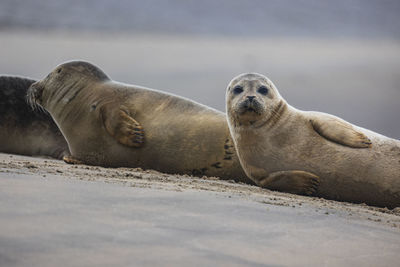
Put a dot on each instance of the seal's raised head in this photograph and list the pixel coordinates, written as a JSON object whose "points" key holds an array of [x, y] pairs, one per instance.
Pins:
{"points": [[252, 99], [64, 78]]}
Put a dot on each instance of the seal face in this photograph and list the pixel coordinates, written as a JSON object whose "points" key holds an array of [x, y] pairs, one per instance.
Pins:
{"points": [[112, 124], [251, 101], [23, 130], [66, 82], [286, 149]]}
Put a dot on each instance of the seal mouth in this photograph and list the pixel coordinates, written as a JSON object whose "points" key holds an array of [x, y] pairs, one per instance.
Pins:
{"points": [[250, 109], [247, 107]]}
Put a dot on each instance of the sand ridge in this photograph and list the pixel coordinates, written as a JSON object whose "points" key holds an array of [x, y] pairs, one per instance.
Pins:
{"points": [[136, 177]]}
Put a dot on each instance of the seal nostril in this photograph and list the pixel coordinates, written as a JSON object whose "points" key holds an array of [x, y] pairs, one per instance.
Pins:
{"points": [[35, 87], [250, 97], [36, 90]]}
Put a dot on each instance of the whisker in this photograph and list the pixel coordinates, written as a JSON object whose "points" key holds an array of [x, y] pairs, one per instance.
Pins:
{"points": [[276, 114]]}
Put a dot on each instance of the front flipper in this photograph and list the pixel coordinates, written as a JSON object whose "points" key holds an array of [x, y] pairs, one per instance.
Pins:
{"points": [[295, 182], [120, 125], [339, 131], [72, 160]]}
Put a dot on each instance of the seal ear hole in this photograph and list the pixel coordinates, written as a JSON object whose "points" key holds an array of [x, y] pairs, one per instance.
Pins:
{"points": [[59, 70], [238, 90], [263, 90]]}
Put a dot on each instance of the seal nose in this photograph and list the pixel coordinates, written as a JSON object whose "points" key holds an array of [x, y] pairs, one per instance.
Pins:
{"points": [[250, 98], [33, 86], [35, 90]]}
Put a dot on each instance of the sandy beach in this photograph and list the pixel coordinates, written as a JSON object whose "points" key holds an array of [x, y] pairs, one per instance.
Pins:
{"points": [[80, 215], [340, 57]]}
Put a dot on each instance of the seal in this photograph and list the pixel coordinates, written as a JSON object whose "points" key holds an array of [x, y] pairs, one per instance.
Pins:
{"points": [[336, 159], [112, 124], [23, 130]]}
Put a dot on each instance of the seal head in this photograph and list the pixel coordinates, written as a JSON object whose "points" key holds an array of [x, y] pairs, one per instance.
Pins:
{"points": [[66, 80], [252, 100]]}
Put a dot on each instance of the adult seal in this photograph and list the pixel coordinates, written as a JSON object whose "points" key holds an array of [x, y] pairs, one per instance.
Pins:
{"points": [[23, 130], [281, 147], [112, 124]]}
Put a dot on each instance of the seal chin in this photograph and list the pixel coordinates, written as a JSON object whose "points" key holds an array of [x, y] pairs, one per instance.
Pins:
{"points": [[247, 116]]}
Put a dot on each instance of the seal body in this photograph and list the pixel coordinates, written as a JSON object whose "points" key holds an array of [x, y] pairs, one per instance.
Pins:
{"points": [[353, 164], [112, 124], [23, 130]]}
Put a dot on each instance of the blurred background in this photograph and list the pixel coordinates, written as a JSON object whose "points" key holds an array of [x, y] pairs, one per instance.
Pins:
{"points": [[340, 57]]}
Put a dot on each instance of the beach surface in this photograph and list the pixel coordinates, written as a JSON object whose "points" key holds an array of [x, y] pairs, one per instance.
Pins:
{"points": [[55, 214], [340, 57]]}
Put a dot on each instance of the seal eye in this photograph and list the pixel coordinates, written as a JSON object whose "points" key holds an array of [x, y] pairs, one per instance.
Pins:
{"points": [[237, 90], [263, 90], [59, 70]]}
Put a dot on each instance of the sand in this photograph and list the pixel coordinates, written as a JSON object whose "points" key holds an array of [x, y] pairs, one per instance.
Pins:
{"points": [[55, 214]]}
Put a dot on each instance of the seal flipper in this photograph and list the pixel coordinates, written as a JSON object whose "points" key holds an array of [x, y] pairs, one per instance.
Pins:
{"points": [[295, 182], [72, 160], [339, 131], [120, 125]]}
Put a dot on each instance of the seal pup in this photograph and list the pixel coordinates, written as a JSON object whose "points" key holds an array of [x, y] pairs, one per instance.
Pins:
{"points": [[112, 124], [273, 139], [23, 130]]}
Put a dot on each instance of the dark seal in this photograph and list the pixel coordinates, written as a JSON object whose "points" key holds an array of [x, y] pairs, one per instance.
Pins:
{"points": [[24, 130]]}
